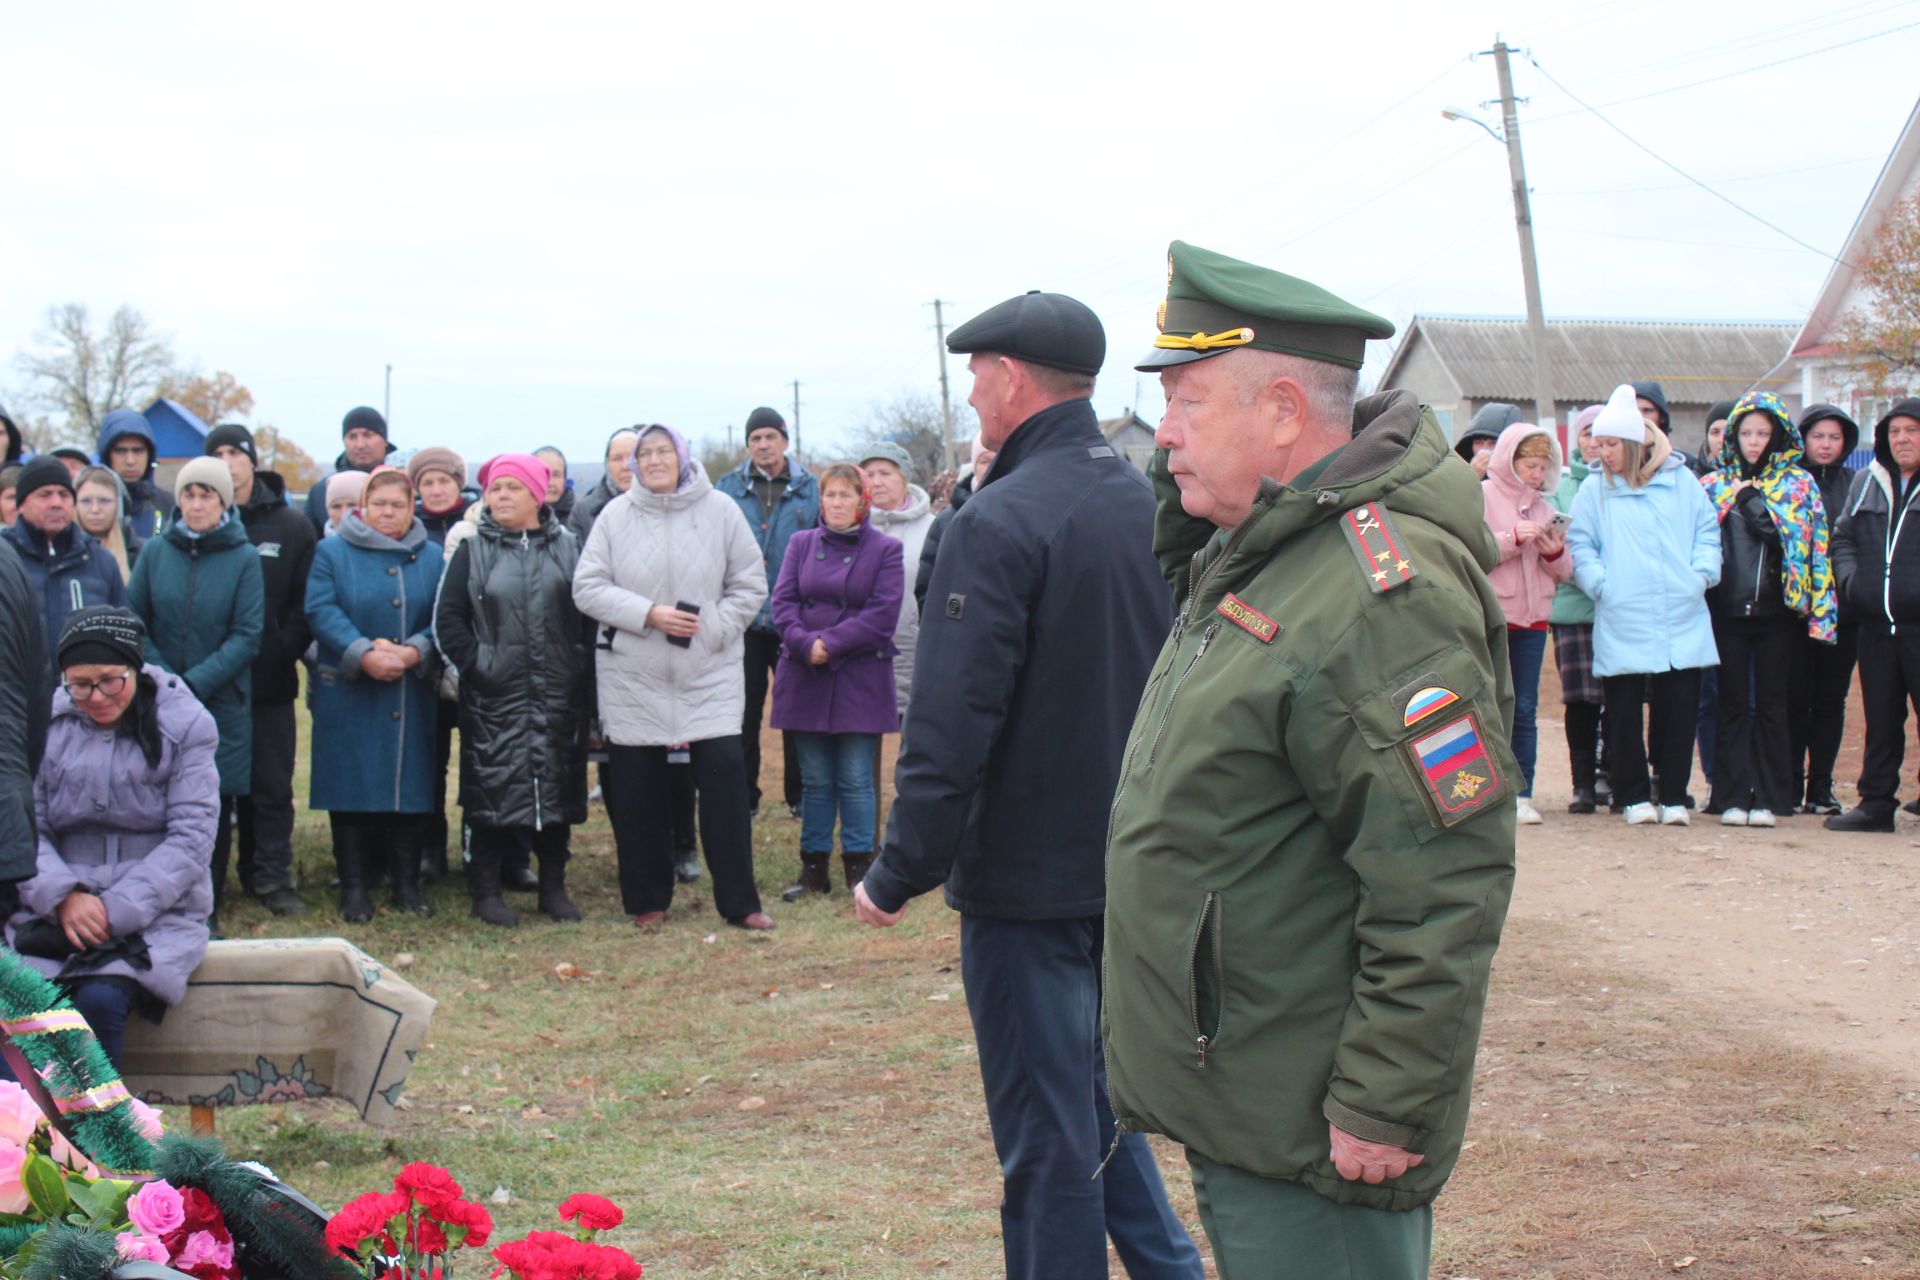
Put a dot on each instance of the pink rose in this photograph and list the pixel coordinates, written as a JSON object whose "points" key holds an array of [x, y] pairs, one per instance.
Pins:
{"points": [[135, 1247], [19, 1115], [157, 1209], [13, 1192], [203, 1247]]}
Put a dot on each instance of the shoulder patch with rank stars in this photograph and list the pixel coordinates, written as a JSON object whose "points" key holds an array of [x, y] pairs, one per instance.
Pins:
{"points": [[1379, 548], [1248, 619], [1459, 772]]}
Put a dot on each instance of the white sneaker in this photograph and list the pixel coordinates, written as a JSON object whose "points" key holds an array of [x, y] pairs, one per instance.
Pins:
{"points": [[1639, 815], [1760, 818], [1734, 818], [1675, 815], [1525, 814]]}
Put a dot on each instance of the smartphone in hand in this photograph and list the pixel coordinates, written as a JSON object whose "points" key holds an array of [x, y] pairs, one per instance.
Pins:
{"points": [[685, 642]]}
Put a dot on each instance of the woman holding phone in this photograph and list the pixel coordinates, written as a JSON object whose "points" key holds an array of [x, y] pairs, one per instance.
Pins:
{"points": [[1524, 469]]}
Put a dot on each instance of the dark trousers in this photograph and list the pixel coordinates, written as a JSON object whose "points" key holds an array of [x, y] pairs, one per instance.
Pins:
{"points": [[105, 1004], [1706, 728], [763, 654], [1033, 992], [550, 843], [1676, 693], [222, 851], [640, 806], [1583, 740], [446, 720], [1265, 1229], [686, 837], [1751, 769], [1817, 712], [1889, 681], [265, 818]]}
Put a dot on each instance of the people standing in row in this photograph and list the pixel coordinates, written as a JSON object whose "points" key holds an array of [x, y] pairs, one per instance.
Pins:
{"points": [[370, 604], [778, 500], [1776, 586], [674, 575], [837, 605], [1646, 547], [126, 799], [1823, 674], [1581, 695], [506, 620], [1879, 572], [363, 446], [1524, 469], [68, 569], [980, 461], [284, 541], [442, 499], [100, 506], [199, 591], [1046, 607], [126, 445]]}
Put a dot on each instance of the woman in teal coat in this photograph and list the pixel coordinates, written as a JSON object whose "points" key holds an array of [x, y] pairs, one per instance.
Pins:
{"points": [[375, 684], [198, 588]]}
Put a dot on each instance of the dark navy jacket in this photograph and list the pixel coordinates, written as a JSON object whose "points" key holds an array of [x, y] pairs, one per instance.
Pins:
{"points": [[71, 572], [1043, 617]]}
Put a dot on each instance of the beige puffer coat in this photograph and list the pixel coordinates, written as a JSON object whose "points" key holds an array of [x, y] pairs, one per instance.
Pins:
{"points": [[664, 548]]}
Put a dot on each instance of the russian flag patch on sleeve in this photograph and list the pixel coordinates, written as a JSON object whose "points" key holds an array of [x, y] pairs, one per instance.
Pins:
{"points": [[1457, 769]]}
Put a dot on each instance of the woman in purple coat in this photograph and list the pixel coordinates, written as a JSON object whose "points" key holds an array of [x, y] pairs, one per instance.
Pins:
{"points": [[126, 801], [835, 607]]}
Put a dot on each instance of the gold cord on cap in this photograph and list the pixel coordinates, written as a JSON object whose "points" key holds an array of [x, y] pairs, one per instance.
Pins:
{"points": [[1205, 341]]}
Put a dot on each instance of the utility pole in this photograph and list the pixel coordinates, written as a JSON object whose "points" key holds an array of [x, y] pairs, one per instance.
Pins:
{"points": [[946, 403], [386, 399], [796, 415], [1523, 219]]}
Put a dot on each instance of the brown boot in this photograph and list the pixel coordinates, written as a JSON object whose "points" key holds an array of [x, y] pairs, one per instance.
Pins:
{"points": [[815, 877], [854, 867]]}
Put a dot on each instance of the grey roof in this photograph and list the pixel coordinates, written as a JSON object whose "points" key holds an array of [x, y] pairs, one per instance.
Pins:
{"points": [[1696, 362]]}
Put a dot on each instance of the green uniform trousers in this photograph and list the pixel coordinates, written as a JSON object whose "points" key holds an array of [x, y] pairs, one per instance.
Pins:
{"points": [[1265, 1229]]}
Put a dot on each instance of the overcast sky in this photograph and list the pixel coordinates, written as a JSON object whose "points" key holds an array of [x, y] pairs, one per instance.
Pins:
{"points": [[555, 220]]}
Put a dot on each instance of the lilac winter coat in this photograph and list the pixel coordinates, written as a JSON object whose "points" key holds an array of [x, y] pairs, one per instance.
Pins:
{"points": [[845, 590], [141, 838]]}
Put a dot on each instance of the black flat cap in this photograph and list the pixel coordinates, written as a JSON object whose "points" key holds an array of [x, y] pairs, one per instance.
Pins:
{"points": [[1040, 328]]}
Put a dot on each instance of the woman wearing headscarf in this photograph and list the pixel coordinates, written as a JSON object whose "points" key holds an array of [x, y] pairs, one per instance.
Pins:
{"points": [[1581, 696], [441, 503], [199, 589], [100, 507], [1817, 713], [344, 490], [1523, 469], [673, 575], [836, 606], [507, 622], [1646, 548], [370, 604], [1776, 585], [126, 801]]}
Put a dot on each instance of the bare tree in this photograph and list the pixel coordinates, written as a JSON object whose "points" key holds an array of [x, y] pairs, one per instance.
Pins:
{"points": [[718, 456], [912, 420], [78, 375], [1882, 338]]}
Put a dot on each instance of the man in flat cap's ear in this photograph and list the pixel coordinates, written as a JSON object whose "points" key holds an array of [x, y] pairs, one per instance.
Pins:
{"points": [[1041, 620]]}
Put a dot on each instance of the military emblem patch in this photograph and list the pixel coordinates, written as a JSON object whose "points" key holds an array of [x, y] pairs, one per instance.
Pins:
{"points": [[1248, 619], [1378, 547], [1429, 701], [1460, 776]]}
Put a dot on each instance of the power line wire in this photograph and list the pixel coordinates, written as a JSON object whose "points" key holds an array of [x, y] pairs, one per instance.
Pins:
{"points": [[1727, 200]]}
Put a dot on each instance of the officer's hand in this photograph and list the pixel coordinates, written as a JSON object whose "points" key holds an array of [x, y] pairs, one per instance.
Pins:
{"points": [[867, 913], [1371, 1162]]}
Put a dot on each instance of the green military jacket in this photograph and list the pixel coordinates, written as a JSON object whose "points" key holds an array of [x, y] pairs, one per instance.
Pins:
{"points": [[1312, 845]]}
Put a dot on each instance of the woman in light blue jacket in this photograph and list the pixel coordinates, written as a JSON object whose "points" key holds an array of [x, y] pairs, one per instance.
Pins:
{"points": [[1646, 547]]}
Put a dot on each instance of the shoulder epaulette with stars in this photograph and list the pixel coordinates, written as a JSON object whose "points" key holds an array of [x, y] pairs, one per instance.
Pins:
{"points": [[1378, 546]]}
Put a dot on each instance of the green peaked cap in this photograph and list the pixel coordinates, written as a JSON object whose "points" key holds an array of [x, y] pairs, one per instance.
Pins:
{"points": [[1217, 304]]}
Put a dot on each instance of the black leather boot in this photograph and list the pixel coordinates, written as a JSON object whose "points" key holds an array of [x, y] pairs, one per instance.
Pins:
{"points": [[405, 845], [483, 881], [1584, 799], [854, 867], [350, 861], [553, 888], [815, 877]]}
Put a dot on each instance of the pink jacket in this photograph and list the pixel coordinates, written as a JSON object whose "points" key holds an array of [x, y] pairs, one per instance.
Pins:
{"points": [[1524, 579]]}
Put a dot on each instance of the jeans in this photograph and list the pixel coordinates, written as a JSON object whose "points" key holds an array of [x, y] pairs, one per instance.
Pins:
{"points": [[1525, 650], [836, 773]]}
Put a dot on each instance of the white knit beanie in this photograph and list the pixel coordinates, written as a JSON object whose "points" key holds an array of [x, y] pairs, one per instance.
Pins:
{"points": [[1621, 419], [211, 472]]}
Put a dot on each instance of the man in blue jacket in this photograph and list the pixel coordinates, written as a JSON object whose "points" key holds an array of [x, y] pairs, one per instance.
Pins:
{"points": [[778, 500], [66, 568], [1044, 615], [126, 445]]}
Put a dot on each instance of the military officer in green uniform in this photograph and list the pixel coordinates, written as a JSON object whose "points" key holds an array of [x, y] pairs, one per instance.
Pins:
{"points": [[1312, 844]]}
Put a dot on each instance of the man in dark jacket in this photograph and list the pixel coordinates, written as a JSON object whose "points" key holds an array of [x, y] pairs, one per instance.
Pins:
{"points": [[1651, 398], [1045, 609], [1475, 445], [285, 542], [126, 445], [26, 694], [930, 549], [364, 446], [66, 567], [1817, 697], [1877, 569]]}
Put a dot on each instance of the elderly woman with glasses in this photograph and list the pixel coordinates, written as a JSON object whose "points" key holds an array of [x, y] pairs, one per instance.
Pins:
{"points": [[370, 605], [126, 802]]}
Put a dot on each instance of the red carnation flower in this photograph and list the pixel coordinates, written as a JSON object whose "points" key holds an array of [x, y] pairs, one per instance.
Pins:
{"points": [[428, 1184], [476, 1221], [596, 1213]]}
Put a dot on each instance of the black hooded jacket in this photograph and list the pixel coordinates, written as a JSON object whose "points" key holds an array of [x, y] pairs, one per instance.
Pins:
{"points": [[1658, 395], [1487, 424], [930, 549], [284, 542], [1834, 478], [1876, 559]]}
